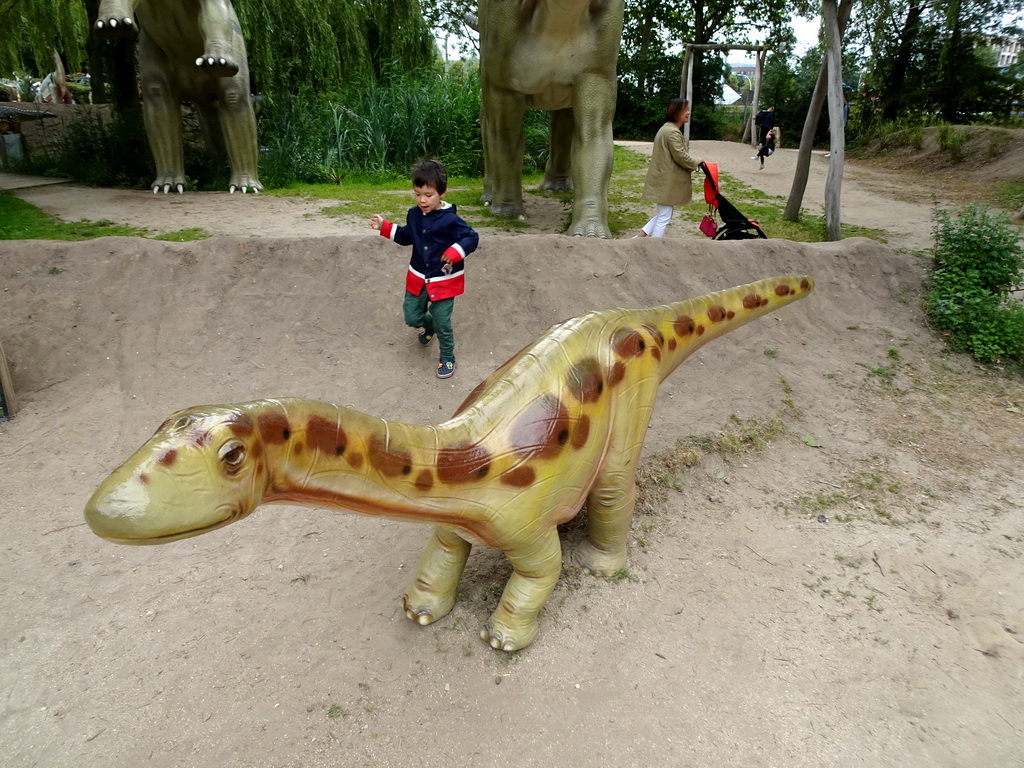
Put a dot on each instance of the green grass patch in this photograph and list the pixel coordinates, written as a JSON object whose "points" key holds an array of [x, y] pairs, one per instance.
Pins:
{"points": [[23, 221]]}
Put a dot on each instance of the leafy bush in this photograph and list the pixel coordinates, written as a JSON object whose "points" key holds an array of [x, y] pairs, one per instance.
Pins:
{"points": [[978, 261]]}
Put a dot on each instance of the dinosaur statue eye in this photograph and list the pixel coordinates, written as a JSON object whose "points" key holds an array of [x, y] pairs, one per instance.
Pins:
{"points": [[232, 453]]}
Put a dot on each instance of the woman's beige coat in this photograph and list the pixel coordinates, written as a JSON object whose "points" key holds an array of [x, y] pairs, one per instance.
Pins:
{"points": [[668, 176]]}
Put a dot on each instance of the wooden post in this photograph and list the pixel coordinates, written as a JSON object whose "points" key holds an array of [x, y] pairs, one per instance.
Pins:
{"points": [[6, 386], [755, 106], [689, 88], [837, 131]]}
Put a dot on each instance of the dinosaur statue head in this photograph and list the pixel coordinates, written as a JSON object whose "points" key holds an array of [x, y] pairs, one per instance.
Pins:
{"points": [[201, 470]]}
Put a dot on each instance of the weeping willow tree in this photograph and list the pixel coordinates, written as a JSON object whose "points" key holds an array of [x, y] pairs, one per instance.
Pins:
{"points": [[30, 31], [292, 44]]}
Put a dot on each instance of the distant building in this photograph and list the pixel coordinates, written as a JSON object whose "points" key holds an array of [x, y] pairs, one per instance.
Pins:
{"points": [[745, 69], [1008, 52]]}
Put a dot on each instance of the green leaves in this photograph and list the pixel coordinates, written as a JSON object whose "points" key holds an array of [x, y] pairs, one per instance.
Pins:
{"points": [[978, 261]]}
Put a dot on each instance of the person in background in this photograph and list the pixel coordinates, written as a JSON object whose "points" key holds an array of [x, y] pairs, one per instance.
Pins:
{"points": [[765, 121], [767, 147], [669, 175]]}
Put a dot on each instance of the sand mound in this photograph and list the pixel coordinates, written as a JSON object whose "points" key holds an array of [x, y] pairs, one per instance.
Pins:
{"points": [[850, 595]]}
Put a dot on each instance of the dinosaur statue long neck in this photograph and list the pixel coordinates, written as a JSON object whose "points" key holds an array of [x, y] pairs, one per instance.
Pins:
{"points": [[686, 326], [322, 454]]}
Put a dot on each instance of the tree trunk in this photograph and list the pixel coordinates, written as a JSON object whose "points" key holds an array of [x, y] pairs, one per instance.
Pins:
{"points": [[837, 131], [894, 89], [803, 160]]}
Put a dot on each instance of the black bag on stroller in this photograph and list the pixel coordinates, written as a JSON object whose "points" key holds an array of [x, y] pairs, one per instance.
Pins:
{"points": [[734, 226]]}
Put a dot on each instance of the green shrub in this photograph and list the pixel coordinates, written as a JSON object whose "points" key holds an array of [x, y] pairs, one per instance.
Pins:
{"points": [[952, 141], [978, 261]]}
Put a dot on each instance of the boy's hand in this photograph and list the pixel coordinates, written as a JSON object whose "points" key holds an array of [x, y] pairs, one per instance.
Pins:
{"points": [[376, 220]]}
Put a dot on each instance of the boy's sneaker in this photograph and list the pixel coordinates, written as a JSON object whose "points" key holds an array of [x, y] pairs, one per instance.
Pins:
{"points": [[446, 367], [425, 338]]}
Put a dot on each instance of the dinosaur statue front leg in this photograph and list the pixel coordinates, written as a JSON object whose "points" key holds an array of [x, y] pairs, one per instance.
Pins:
{"points": [[593, 104], [558, 167], [222, 37], [504, 142], [116, 19], [537, 566], [161, 112], [432, 593], [612, 498]]}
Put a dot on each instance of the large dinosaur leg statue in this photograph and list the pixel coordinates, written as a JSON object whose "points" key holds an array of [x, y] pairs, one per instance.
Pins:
{"points": [[559, 57], [193, 52], [557, 428]]}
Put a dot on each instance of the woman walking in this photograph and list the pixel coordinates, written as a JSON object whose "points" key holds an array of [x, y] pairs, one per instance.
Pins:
{"points": [[668, 176]]}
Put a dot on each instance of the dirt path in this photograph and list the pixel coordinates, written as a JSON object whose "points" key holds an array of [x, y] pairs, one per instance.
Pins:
{"points": [[870, 197], [836, 581]]}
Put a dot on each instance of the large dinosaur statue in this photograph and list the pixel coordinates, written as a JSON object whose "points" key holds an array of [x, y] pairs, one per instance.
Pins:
{"points": [[190, 51], [559, 426], [560, 56]]}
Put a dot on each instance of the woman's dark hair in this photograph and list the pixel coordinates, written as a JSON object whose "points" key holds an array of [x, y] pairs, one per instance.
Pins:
{"points": [[430, 173], [675, 107]]}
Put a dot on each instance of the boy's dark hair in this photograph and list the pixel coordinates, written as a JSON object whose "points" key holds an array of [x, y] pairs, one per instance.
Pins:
{"points": [[675, 106], [430, 173]]}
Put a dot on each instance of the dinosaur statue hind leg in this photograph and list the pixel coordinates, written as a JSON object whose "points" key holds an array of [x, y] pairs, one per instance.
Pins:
{"points": [[432, 593], [161, 111], [558, 167], [536, 567], [593, 106]]}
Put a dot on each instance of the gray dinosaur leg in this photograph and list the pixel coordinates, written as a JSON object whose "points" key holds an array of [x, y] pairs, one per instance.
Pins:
{"points": [[223, 49], [558, 166], [116, 19], [238, 124], [432, 593], [537, 566], [161, 112], [593, 101], [501, 117]]}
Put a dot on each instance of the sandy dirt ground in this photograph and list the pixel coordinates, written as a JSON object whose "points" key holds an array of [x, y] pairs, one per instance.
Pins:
{"points": [[848, 591]]}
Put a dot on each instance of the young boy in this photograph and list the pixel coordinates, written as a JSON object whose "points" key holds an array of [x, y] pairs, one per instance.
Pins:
{"points": [[440, 241]]}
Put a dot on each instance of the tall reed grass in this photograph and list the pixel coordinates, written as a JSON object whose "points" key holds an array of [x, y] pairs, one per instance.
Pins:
{"points": [[380, 132]]}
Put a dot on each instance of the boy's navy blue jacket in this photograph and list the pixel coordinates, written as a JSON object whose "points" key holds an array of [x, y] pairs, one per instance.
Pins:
{"points": [[431, 235]]}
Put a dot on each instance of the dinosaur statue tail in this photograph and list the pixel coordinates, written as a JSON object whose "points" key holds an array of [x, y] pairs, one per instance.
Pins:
{"points": [[686, 326]]}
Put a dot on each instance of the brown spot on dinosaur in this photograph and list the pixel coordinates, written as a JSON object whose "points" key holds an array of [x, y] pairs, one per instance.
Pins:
{"points": [[463, 464], [325, 436], [424, 480], [241, 425], [580, 432], [716, 314], [683, 326], [389, 461], [617, 374], [274, 427], [753, 301], [628, 343], [585, 380], [168, 458], [782, 290], [520, 477], [542, 429]]}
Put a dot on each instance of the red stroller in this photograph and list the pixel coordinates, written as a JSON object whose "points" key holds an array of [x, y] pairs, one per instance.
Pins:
{"points": [[734, 226]]}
